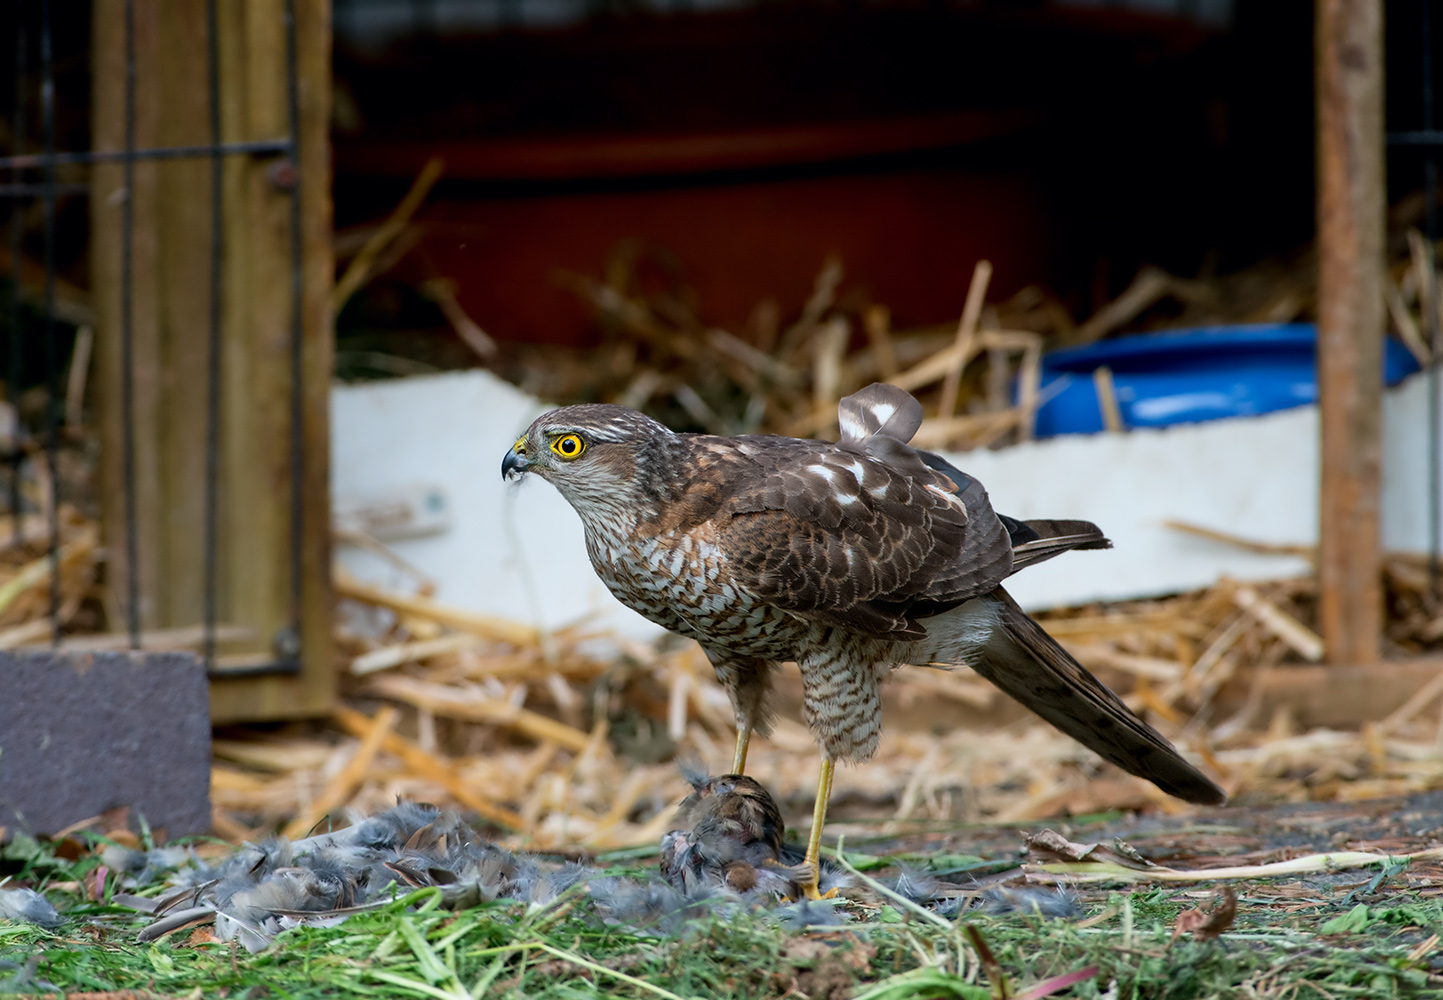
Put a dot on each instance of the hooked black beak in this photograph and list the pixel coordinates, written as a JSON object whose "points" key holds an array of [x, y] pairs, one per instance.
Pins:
{"points": [[513, 464]]}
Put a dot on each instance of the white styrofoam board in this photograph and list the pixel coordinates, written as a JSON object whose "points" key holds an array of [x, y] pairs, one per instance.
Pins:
{"points": [[517, 551], [1254, 477], [514, 550]]}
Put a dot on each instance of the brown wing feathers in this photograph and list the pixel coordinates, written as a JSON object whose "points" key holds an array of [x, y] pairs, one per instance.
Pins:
{"points": [[863, 533], [839, 537]]}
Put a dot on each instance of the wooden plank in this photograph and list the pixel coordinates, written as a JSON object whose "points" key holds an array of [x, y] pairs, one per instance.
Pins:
{"points": [[589, 157], [171, 289], [1336, 696], [258, 455], [1349, 72]]}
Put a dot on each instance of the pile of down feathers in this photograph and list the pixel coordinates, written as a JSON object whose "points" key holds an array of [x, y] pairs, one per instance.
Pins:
{"points": [[725, 854]]}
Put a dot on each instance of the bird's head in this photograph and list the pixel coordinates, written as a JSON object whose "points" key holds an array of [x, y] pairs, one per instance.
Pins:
{"points": [[593, 453]]}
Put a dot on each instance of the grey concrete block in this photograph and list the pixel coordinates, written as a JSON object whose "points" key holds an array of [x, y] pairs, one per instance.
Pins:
{"points": [[81, 733]]}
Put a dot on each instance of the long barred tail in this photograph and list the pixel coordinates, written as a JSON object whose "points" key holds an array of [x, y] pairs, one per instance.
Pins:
{"points": [[1004, 645]]}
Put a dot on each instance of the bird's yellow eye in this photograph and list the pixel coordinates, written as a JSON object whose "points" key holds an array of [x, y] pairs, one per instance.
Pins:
{"points": [[568, 447]]}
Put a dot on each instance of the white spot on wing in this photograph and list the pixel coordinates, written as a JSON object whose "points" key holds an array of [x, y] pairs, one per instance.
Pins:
{"points": [[850, 427], [822, 471], [951, 498]]}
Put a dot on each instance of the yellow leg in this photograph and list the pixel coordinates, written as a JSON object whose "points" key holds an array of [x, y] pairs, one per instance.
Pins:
{"points": [[814, 842], [739, 759]]}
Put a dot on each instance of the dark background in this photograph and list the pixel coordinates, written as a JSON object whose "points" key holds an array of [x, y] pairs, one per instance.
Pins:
{"points": [[1068, 144]]}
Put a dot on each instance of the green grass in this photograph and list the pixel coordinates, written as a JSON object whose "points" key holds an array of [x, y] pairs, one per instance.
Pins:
{"points": [[1299, 940]]}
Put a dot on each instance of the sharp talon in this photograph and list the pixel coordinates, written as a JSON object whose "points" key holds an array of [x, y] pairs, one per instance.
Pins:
{"points": [[811, 889]]}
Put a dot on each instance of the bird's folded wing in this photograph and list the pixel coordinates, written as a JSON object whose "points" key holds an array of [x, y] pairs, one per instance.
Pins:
{"points": [[855, 542]]}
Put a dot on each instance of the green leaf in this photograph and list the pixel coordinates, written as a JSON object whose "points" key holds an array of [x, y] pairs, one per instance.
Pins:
{"points": [[161, 961], [960, 862], [1352, 922], [866, 862], [23, 848]]}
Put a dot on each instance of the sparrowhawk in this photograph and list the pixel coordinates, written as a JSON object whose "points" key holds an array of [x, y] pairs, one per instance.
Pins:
{"points": [[849, 558]]}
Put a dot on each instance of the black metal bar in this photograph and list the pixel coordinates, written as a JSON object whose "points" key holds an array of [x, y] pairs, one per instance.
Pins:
{"points": [[17, 239], [31, 190], [1428, 136], [298, 412], [38, 161], [52, 363], [271, 669], [127, 343], [213, 363]]}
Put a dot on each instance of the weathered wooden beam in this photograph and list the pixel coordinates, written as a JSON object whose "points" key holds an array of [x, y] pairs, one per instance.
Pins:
{"points": [[1335, 696], [1338, 696], [1351, 204], [171, 289]]}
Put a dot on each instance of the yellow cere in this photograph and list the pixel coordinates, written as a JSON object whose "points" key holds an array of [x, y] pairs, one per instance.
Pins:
{"points": [[520, 446], [569, 446]]}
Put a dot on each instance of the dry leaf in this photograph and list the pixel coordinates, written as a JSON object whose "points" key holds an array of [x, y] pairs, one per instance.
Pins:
{"points": [[1207, 924], [201, 935]]}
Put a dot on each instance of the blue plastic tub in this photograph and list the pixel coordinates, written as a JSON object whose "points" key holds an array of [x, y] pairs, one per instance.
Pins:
{"points": [[1187, 376]]}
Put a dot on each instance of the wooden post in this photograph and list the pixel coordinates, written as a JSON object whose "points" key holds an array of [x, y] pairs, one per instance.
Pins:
{"points": [[171, 310], [1349, 53]]}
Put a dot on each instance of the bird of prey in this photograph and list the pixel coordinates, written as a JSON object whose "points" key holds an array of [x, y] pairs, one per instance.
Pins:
{"points": [[849, 559]]}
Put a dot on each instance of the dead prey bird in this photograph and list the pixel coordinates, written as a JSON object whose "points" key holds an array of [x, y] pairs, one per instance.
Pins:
{"points": [[728, 833], [849, 558]]}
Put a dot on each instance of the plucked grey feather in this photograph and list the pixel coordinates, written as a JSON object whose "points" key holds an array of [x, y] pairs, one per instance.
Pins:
{"points": [[30, 906]]}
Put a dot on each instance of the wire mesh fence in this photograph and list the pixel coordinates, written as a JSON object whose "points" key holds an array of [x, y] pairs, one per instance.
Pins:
{"points": [[33, 182]]}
